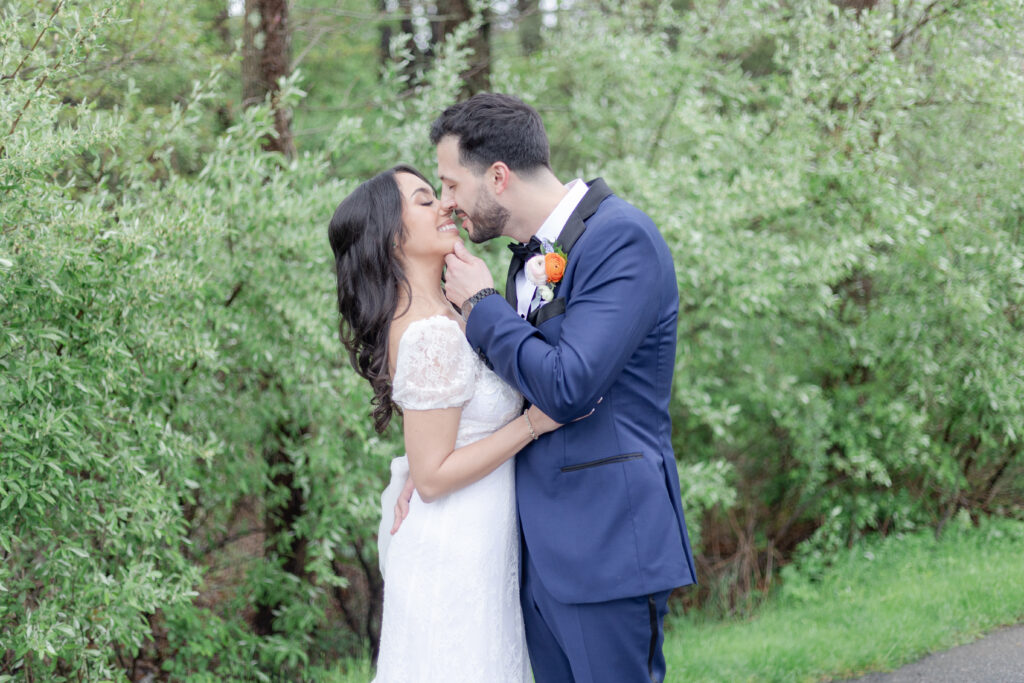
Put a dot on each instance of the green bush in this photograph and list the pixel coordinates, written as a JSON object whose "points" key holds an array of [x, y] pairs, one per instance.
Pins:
{"points": [[188, 476], [93, 471]]}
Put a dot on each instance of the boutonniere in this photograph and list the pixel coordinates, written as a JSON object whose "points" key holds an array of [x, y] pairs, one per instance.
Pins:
{"points": [[546, 270]]}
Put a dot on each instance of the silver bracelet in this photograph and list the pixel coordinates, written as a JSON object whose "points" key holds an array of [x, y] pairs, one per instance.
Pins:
{"points": [[526, 414]]}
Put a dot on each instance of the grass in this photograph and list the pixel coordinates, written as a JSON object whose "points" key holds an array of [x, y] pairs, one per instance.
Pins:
{"points": [[886, 603], [881, 605], [351, 671]]}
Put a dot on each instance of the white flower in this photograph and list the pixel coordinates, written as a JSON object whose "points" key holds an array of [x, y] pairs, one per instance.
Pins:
{"points": [[546, 293], [536, 273]]}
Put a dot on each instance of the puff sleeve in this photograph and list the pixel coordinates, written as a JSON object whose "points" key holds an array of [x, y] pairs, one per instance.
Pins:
{"points": [[435, 367]]}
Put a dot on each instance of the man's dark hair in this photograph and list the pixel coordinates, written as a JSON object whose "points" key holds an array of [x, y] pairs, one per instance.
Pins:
{"points": [[493, 127]]}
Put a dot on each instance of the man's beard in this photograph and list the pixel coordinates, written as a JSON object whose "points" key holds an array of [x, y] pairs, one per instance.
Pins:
{"points": [[488, 220]]}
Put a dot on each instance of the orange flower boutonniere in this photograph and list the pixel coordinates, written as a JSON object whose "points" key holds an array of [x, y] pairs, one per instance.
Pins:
{"points": [[546, 270], [554, 266]]}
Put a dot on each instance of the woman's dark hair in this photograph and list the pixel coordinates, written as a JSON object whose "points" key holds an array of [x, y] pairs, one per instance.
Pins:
{"points": [[364, 232], [494, 127]]}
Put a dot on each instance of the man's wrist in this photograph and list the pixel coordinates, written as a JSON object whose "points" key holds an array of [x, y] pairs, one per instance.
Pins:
{"points": [[468, 304]]}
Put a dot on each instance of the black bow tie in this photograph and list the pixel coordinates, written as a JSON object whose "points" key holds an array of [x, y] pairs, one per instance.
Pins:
{"points": [[525, 251]]}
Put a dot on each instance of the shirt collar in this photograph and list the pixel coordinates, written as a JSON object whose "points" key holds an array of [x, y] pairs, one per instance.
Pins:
{"points": [[551, 228]]}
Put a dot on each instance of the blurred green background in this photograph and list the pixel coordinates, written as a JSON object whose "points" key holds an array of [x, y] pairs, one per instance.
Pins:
{"points": [[189, 477]]}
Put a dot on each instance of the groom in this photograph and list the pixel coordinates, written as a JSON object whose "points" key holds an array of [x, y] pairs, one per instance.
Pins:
{"points": [[604, 539]]}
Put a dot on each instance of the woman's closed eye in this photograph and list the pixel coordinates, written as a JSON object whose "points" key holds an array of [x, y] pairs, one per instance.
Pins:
{"points": [[425, 196]]}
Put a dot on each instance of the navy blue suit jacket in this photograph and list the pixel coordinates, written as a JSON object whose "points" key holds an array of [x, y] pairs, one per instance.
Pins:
{"points": [[599, 499]]}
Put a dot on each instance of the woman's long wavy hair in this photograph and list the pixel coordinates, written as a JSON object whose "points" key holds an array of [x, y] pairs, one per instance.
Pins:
{"points": [[366, 233]]}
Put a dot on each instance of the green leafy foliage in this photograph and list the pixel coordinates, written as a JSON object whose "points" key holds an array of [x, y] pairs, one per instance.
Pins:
{"points": [[189, 478]]}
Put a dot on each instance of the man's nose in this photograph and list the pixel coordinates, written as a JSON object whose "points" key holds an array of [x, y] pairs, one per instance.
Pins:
{"points": [[447, 201]]}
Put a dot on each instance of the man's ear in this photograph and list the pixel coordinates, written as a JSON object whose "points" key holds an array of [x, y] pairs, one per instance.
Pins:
{"points": [[499, 175]]}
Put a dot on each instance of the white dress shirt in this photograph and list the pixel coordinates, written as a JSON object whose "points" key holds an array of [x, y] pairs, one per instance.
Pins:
{"points": [[549, 230]]}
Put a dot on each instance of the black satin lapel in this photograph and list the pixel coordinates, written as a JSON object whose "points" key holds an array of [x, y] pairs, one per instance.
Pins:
{"points": [[511, 295], [597, 192], [574, 227], [547, 311]]}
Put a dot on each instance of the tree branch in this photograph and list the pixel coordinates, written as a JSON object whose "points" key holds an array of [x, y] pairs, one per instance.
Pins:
{"points": [[42, 79], [663, 124], [925, 19], [49, 22]]}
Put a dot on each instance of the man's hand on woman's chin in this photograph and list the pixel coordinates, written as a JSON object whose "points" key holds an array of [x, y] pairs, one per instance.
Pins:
{"points": [[465, 275]]}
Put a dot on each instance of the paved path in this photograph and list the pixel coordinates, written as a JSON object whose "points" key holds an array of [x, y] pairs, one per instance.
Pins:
{"points": [[996, 658]]}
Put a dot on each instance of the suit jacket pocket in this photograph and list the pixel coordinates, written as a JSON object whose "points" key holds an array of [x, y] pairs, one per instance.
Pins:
{"points": [[549, 311], [602, 461]]}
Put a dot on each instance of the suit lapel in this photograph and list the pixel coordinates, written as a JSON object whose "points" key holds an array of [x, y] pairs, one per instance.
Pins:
{"points": [[547, 311], [531, 317], [510, 282], [597, 192]]}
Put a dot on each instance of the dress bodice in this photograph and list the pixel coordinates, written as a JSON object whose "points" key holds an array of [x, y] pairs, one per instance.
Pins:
{"points": [[436, 368]]}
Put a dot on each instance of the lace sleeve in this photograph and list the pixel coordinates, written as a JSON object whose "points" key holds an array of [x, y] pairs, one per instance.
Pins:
{"points": [[435, 367]]}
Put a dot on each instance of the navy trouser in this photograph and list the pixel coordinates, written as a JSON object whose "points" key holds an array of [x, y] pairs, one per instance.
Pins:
{"points": [[605, 642]]}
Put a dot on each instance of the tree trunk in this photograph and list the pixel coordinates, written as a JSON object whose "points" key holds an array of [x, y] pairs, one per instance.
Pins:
{"points": [[858, 5], [477, 77], [385, 32], [266, 58], [530, 20], [280, 521], [252, 92], [444, 17]]}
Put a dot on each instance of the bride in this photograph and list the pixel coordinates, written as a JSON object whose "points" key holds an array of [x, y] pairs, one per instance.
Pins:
{"points": [[451, 584]]}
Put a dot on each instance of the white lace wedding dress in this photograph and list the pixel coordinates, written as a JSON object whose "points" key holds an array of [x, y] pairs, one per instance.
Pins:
{"points": [[451, 573]]}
